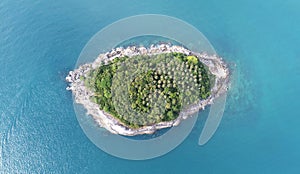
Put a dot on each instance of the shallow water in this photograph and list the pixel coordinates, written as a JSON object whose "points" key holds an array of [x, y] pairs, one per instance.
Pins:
{"points": [[40, 43]]}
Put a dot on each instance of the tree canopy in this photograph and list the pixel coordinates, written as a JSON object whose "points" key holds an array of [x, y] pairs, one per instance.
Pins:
{"points": [[174, 78]]}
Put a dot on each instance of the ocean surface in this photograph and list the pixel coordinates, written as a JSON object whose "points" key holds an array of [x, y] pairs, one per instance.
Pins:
{"points": [[40, 42]]}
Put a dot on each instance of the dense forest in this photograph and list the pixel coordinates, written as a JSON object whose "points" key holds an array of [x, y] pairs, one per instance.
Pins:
{"points": [[144, 90]]}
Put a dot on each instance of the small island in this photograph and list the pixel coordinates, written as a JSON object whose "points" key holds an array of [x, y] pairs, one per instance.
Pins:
{"points": [[137, 90]]}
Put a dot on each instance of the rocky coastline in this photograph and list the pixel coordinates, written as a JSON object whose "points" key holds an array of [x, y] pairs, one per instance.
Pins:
{"points": [[82, 94]]}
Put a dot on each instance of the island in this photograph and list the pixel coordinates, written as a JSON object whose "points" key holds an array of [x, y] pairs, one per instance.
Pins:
{"points": [[138, 90]]}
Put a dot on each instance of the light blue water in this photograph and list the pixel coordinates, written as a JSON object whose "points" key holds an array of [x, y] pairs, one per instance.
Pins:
{"points": [[40, 42]]}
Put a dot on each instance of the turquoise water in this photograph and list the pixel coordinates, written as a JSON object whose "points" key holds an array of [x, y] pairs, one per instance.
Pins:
{"points": [[40, 42]]}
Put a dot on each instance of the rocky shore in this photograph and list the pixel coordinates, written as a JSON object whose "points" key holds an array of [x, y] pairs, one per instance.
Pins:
{"points": [[82, 94]]}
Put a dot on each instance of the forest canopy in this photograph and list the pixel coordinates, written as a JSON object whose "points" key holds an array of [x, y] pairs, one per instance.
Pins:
{"points": [[130, 89]]}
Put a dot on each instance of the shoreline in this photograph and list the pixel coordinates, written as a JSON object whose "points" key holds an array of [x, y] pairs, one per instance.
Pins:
{"points": [[82, 94]]}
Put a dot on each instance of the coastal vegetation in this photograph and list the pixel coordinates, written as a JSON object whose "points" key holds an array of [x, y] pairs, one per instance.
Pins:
{"points": [[142, 82]]}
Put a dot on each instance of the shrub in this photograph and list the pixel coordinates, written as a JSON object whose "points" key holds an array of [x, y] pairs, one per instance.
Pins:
{"points": [[151, 84]]}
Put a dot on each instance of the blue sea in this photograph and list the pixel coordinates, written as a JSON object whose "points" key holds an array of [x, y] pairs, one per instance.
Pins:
{"points": [[40, 42]]}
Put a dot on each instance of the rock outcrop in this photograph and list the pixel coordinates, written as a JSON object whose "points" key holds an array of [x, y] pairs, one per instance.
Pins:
{"points": [[82, 94]]}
